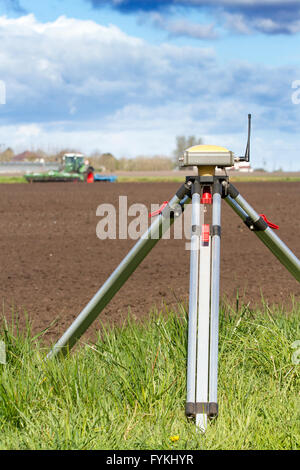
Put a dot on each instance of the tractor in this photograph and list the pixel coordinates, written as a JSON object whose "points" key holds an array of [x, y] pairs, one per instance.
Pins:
{"points": [[74, 167]]}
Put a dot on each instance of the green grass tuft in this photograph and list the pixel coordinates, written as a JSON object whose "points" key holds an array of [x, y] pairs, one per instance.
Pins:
{"points": [[173, 179], [179, 179], [127, 391], [12, 179]]}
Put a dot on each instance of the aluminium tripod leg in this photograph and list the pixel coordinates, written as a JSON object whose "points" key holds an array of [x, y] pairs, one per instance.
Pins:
{"points": [[203, 329], [198, 370], [255, 222], [159, 226], [215, 295], [198, 326], [193, 301]]}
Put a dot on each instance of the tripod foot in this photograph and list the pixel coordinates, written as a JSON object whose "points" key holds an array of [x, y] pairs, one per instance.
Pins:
{"points": [[201, 412], [210, 409]]}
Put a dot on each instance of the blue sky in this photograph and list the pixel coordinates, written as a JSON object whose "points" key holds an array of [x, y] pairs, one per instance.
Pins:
{"points": [[129, 76]]}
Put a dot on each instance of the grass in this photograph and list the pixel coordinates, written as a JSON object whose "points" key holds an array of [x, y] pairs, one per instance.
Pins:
{"points": [[127, 390], [276, 178], [180, 179], [173, 179], [12, 179]]}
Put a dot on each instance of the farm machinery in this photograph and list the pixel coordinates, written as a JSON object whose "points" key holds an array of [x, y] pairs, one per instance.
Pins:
{"points": [[74, 168]]}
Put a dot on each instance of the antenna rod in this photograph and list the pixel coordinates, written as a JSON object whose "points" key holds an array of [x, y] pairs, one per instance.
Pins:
{"points": [[246, 157], [247, 152]]}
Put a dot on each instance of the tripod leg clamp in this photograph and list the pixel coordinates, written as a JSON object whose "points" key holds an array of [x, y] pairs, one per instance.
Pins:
{"points": [[257, 226], [216, 230], [210, 409]]}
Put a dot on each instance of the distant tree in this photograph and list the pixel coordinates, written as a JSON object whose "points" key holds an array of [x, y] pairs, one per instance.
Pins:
{"points": [[41, 154], [94, 159], [262, 170], [6, 155], [183, 143], [144, 163], [108, 161]]}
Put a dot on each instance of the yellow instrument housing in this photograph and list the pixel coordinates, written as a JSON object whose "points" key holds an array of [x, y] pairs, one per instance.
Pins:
{"points": [[207, 155]]}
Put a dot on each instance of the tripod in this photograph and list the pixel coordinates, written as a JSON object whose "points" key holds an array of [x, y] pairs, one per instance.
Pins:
{"points": [[205, 191]]}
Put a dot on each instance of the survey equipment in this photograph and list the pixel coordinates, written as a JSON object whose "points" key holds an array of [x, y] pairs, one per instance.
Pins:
{"points": [[206, 191]]}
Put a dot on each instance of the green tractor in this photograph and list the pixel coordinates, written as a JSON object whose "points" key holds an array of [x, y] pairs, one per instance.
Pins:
{"points": [[74, 168]]}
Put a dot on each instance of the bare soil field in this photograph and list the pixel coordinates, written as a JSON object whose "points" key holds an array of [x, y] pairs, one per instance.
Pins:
{"points": [[52, 261]]}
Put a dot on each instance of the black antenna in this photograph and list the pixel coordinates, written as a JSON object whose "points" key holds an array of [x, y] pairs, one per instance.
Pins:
{"points": [[247, 152], [246, 157]]}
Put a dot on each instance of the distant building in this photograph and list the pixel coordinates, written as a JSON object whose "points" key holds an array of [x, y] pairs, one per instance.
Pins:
{"points": [[244, 167], [22, 157], [28, 156]]}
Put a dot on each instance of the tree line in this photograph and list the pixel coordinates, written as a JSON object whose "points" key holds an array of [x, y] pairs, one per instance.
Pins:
{"points": [[107, 161]]}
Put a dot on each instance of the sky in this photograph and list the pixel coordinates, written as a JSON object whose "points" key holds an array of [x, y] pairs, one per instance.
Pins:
{"points": [[128, 76]]}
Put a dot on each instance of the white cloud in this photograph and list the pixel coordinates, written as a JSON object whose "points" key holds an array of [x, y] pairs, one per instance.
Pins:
{"points": [[96, 68], [70, 57], [243, 24], [264, 16], [182, 27], [75, 83]]}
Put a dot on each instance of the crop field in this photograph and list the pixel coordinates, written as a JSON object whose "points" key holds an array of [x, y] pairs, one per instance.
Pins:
{"points": [[123, 387]]}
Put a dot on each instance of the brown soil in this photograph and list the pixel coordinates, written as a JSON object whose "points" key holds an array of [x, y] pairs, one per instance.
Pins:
{"points": [[52, 262]]}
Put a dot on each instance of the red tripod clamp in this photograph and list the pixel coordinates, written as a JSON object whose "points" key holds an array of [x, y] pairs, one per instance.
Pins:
{"points": [[159, 211], [275, 227]]}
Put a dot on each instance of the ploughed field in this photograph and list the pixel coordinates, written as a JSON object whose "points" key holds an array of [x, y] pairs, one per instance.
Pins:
{"points": [[52, 261]]}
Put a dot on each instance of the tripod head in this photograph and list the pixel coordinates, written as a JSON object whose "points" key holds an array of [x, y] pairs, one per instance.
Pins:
{"points": [[213, 155]]}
